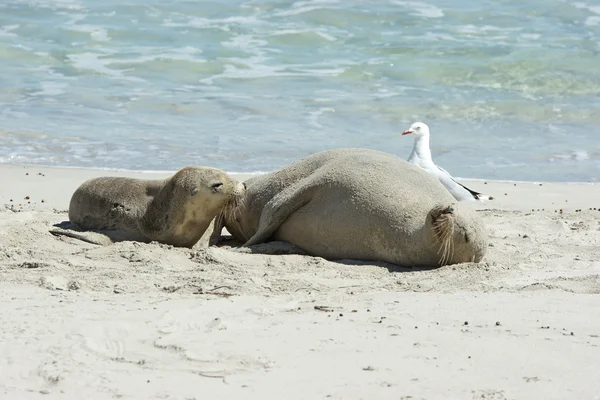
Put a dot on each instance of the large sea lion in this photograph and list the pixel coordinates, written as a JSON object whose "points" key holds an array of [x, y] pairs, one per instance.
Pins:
{"points": [[359, 204], [175, 211]]}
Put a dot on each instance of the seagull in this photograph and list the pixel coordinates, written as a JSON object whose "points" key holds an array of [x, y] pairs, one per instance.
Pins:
{"points": [[421, 156]]}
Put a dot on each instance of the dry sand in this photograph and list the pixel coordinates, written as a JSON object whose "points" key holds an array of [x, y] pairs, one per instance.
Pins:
{"points": [[149, 321]]}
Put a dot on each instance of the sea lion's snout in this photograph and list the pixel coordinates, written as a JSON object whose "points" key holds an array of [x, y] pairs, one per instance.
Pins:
{"points": [[458, 235], [240, 188], [447, 210]]}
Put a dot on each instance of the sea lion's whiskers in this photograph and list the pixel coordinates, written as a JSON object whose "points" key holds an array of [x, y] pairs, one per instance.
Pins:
{"points": [[443, 228], [234, 206]]}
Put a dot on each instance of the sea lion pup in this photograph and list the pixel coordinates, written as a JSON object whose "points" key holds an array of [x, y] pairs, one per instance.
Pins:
{"points": [[359, 204], [175, 211]]}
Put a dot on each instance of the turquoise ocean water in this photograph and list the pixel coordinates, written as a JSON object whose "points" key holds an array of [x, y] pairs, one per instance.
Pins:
{"points": [[509, 88]]}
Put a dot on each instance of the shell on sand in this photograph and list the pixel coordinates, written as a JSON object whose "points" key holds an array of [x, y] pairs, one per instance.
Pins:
{"points": [[359, 204]]}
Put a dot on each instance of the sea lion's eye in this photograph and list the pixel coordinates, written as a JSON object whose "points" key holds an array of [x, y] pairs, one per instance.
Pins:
{"points": [[216, 186]]}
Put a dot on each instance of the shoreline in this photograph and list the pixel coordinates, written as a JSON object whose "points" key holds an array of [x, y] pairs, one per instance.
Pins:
{"points": [[253, 173], [55, 185]]}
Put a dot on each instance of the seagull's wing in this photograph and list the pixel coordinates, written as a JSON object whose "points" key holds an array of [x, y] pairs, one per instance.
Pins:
{"points": [[458, 190]]}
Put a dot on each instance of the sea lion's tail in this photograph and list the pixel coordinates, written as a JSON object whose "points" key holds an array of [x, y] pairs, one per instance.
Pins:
{"points": [[443, 229]]}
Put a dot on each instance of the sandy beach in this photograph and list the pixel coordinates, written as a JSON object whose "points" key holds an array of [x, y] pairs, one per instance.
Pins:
{"points": [[149, 321]]}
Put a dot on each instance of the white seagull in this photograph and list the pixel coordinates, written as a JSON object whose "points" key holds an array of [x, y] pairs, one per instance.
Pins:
{"points": [[421, 156]]}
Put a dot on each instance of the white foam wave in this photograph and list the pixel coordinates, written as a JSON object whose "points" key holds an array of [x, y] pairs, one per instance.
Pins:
{"points": [[57, 4], [51, 88], [5, 31], [594, 9], [254, 71], [187, 53], [97, 33], [324, 35], [421, 9], [531, 36], [301, 7], [94, 63], [244, 41], [314, 116], [592, 21], [297, 11], [217, 23], [578, 155]]}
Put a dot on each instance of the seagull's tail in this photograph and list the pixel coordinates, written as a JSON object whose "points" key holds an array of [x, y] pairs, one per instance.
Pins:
{"points": [[482, 197]]}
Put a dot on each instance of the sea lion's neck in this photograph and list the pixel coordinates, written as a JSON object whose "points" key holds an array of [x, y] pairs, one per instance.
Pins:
{"points": [[421, 150], [159, 210]]}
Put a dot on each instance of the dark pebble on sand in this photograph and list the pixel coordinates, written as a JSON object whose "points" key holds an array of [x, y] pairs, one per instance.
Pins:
{"points": [[485, 183], [43, 201], [498, 323], [26, 173], [341, 315], [26, 197], [506, 194], [11, 199], [540, 184], [466, 323]]}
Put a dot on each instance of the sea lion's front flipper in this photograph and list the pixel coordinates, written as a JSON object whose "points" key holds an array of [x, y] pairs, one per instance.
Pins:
{"points": [[215, 235], [281, 206]]}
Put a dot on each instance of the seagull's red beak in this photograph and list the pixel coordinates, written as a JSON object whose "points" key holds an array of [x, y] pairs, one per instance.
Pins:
{"points": [[408, 132]]}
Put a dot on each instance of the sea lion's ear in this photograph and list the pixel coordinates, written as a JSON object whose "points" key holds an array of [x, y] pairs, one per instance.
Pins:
{"points": [[195, 191]]}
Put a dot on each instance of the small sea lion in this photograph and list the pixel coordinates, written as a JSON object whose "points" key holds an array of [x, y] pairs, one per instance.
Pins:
{"points": [[359, 204], [176, 211]]}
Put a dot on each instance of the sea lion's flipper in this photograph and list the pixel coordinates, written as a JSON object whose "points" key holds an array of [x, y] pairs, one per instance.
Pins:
{"points": [[89, 237], [100, 237], [281, 206]]}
